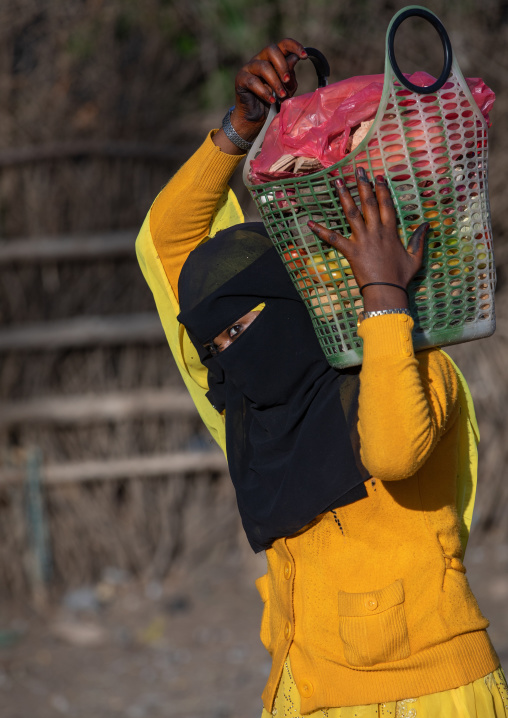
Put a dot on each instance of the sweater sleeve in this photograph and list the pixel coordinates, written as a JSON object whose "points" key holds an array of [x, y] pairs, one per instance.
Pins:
{"points": [[406, 402], [180, 216]]}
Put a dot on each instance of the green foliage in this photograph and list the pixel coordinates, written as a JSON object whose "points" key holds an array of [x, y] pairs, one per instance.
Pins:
{"points": [[186, 45], [123, 27], [121, 51], [218, 89], [81, 43]]}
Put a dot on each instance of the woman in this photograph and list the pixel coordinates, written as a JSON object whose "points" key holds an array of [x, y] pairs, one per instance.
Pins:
{"points": [[346, 479]]}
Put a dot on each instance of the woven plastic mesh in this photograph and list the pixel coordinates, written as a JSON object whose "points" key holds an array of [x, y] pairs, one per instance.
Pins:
{"points": [[432, 150]]}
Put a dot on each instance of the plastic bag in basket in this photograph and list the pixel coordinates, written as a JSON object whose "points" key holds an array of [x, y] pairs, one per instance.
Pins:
{"points": [[319, 125]]}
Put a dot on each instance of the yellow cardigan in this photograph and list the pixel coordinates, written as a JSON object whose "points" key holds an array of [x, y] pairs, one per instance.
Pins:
{"points": [[371, 600]]}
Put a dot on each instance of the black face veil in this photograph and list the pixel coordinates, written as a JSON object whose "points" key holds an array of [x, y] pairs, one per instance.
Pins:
{"points": [[291, 438]]}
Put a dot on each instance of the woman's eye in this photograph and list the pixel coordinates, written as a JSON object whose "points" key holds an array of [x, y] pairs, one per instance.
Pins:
{"points": [[234, 330]]}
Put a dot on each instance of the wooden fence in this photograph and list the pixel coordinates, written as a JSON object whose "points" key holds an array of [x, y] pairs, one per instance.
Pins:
{"points": [[164, 497]]}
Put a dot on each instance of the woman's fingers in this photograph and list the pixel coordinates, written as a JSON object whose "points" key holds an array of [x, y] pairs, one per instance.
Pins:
{"points": [[265, 70], [353, 214], [374, 249], [269, 72], [278, 60], [248, 84], [282, 57], [334, 239], [416, 244], [289, 45], [376, 208], [274, 55], [385, 203], [370, 209], [291, 85]]}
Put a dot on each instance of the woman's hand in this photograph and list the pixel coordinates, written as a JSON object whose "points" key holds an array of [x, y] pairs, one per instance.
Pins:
{"points": [[374, 249], [270, 71]]}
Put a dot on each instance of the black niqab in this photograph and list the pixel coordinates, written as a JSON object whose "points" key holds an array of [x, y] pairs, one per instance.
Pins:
{"points": [[291, 437]]}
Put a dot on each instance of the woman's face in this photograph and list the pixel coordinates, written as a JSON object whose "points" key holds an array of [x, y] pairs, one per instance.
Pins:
{"points": [[228, 336]]}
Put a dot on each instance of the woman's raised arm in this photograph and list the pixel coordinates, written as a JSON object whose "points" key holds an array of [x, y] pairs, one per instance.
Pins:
{"points": [[406, 402], [180, 216]]}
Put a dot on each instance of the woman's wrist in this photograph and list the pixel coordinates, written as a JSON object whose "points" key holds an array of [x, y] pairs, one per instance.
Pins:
{"points": [[224, 143], [246, 129], [377, 297]]}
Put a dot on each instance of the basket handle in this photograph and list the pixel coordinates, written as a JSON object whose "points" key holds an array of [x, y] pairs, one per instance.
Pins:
{"points": [[320, 65], [415, 11], [323, 73]]}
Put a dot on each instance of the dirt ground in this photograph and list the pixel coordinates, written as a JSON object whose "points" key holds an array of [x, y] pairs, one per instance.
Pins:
{"points": [[186, 649]]}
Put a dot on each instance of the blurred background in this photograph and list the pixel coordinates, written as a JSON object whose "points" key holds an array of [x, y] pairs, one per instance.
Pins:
{"points": [[126, 583]]}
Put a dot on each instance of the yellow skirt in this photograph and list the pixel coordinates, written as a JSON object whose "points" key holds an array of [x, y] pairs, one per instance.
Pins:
{"points": [[485, 698]]}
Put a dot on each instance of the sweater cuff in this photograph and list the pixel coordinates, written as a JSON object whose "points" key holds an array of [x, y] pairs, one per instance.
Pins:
{"points": [[388, 335], [213, 166]]}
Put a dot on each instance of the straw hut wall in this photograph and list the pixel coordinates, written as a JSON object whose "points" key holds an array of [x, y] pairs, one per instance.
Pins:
{"points": [[101, 101]]}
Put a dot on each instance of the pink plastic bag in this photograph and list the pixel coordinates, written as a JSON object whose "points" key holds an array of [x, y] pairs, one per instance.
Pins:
{"points": [[318, 124]]}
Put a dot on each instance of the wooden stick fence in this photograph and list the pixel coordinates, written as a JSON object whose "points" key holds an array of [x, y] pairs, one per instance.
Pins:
{"points": [[184, 462], [110, 245], [90, 149], [142, 328], [112, 406]]}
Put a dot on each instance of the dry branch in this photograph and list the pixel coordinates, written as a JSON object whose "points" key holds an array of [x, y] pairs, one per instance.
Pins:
{"points": [[131, 467], [51, 249], [102, 407], [108, 149], [142, 328]]}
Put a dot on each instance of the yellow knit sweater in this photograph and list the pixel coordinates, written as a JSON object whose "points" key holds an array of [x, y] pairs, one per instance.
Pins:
{"points": [[370, 600]]}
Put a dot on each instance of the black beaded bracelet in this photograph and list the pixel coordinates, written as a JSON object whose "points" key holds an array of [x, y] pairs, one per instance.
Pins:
{"points": [[385, 284]]}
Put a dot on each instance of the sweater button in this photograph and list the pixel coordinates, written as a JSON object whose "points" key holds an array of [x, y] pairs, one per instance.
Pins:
{"points": [[287, 570], [403, 317], [307, 689], [287, 631], [371, 604]]}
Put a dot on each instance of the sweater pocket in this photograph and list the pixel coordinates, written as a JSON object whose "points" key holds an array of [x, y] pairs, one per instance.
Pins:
{"points": [[373, 626], [265, 633]]}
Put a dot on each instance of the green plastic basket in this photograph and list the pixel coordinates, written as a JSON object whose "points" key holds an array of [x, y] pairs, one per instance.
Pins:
{"points": [[431, 144]]}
